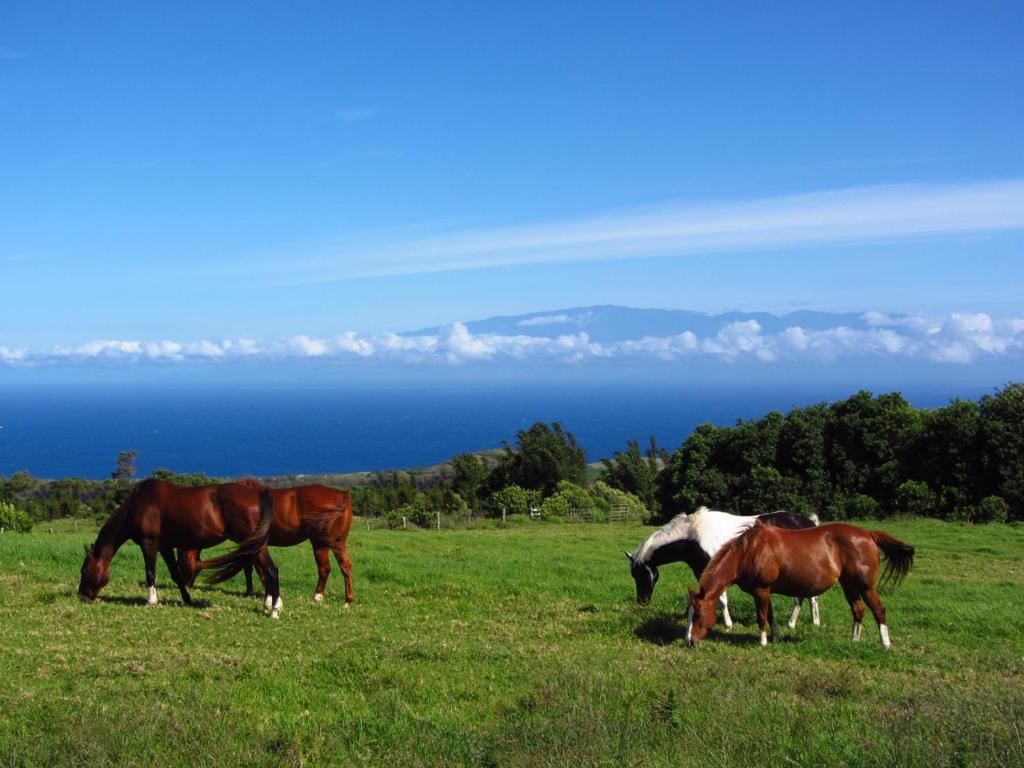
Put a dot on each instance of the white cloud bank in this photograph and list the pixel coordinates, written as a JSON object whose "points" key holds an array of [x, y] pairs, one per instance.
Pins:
{"points": [[859, 214], [957, 339]]}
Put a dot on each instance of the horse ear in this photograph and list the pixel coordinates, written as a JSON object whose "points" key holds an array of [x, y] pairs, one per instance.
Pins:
{"points": [[690, 591], [86, 548], [629, 556]]}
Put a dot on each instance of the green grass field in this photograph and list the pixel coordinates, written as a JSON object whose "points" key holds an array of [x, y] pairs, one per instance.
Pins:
{"points": [[517, 646]]}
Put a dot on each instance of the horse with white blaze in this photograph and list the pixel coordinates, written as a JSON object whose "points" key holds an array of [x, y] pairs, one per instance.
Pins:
{"points": [[694, 539]]}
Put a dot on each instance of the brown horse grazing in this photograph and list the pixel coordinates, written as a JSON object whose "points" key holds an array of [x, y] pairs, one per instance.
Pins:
{"points": [[317, 513], [160, 516], [800, 563]]}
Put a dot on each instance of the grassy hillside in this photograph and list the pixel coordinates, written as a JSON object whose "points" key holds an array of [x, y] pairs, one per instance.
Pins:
{"points": [[518, 646]]}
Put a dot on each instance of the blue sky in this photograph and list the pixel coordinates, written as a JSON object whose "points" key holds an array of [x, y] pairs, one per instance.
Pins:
{"points": [[262, 172]]}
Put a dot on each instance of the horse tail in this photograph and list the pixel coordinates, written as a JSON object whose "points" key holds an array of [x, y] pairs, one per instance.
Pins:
{"points": [[226, 566], [324, 519], [899, 556]]}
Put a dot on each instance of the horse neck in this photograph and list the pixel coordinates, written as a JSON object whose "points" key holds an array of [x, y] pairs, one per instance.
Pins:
{"points": [[112, 535], [722, 571], [684, 550]]}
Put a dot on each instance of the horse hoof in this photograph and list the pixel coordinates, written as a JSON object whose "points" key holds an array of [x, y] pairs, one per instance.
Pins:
{"points": [[318, 597]]}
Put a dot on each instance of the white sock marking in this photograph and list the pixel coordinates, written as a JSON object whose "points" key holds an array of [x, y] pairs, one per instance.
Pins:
{"points": [[347, 603], [318, 597], [152, 596], [725, 611], [276, 613], [268, 603], [885, 635], [764, 638], [815, 616], [689, 624], [856, 631], [796, 613]]}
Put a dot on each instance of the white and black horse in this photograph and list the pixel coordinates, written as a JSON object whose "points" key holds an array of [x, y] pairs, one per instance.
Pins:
{"points": [[694, 539]]}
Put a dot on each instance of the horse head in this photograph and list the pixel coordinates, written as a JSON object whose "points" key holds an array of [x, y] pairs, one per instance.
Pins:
{"points": [[95, 574], [701, 616], [645, 576]]}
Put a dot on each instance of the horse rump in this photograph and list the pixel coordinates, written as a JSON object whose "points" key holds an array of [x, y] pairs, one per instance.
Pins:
{"points": [[899, 557], [226, 566]]}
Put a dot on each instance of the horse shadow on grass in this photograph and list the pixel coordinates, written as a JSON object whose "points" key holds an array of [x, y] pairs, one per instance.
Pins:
{"points": [[669, 628], [662, 629], [119, 600]]}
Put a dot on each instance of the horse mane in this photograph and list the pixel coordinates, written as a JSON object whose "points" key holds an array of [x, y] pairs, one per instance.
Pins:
{"points": [[669, 532], [736, 543], [114, 523]]}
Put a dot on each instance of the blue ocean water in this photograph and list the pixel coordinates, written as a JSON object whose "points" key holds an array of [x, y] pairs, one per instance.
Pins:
{"points": [[225, 431]]}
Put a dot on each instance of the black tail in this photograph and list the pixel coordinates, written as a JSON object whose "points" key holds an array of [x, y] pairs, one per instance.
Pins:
{"points": [[899, 556], [226, 566]]}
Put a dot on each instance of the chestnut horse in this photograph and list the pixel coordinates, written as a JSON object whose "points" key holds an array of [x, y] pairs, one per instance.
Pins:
{"points": [[160, 516], [317, 513], [800, 563]]}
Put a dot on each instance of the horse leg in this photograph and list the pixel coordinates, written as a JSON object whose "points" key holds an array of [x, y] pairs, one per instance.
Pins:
{"points": [[878, 611], [340, 549], [167, 552], [322, 555], [272, 598], [248, 580], [771, 620], [149, 550], [763, 601], [815, 616], [188, 566], [726, 618], [852, 593], [797, 602]]}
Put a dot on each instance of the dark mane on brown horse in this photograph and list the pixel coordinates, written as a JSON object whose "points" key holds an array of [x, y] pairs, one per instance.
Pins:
{"points": [[800, 563]]}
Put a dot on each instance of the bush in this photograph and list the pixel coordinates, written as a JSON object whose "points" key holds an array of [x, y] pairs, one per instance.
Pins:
{"points": [[13, 519], [556, 506], [915, 498], [862, 505], [992, 509], [514, 500]]}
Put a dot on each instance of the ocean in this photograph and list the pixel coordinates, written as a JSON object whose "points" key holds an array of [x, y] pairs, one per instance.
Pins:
{"points": [[65, 431]]}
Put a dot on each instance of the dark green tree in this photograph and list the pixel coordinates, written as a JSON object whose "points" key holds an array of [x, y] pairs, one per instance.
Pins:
{"points": [[470, 476], [636, 473], [542, 457], [1002, 437], [125, 469]]}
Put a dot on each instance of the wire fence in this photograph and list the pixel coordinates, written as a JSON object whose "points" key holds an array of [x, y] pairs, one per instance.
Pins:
{"points": [[439, 520]]}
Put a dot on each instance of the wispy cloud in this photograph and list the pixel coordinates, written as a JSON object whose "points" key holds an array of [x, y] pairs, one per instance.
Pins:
{"points": [[542, 320], [355, 113], [956, 339], [819, 218]]}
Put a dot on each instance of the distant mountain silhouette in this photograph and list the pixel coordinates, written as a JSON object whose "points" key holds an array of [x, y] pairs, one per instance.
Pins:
{"points": [[611, 323]]}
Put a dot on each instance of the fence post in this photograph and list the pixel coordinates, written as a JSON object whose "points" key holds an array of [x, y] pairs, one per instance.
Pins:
{"points": [[439, 519], [502, 517], [403, 522], [367, 523]]}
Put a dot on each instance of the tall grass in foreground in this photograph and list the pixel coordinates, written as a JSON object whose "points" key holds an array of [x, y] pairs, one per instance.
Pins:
{"points": [[517, 646]]}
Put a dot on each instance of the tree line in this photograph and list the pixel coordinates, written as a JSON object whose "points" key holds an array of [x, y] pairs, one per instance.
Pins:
{"points": [[865, 456]]}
